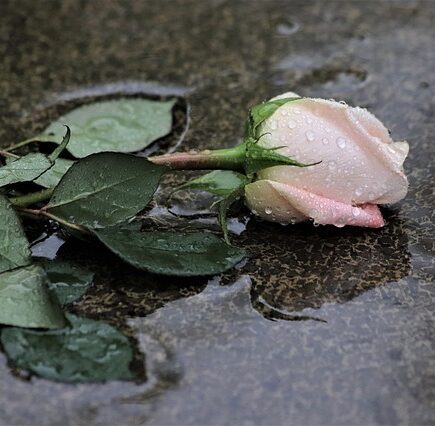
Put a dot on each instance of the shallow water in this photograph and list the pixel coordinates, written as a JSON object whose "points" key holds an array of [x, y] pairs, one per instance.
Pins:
{"points": [[321, 325]]}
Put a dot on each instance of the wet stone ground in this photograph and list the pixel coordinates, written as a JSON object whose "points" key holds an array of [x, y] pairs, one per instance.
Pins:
{"points": [[321, 325]]}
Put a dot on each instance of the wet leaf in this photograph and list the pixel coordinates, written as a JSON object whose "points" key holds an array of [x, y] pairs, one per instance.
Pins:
{"points": [[67, 280], [14, 247], [25, 300], [218, 182], [171, 253], [24, 169], [52, 176], [123, 125], [65, 140], [105, 189], [87, 351]]}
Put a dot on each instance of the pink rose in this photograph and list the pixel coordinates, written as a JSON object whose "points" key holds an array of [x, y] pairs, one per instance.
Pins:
{"points": [[361, 166]]}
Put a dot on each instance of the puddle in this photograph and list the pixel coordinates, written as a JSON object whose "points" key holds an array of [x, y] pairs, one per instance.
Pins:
{"points": [[287, 28], [47, 246]]}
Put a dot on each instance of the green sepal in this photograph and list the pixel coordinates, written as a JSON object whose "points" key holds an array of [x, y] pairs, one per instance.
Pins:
{"points": [[218, 182], [261, 112], [259, 158], [223, 207]]}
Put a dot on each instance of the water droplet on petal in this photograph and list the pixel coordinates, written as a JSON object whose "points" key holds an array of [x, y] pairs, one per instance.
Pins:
{"points": [[341, 142], [310, 136], [356, 211], [291, 124], [332, 165], [268, 210], [273, 125], [313, 213], [325, 141], [358, 192]]}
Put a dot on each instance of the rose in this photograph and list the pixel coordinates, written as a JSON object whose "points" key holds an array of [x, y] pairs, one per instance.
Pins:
{"points": [[360, 165]]}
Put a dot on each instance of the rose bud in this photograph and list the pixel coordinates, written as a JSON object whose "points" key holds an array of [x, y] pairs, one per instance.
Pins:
{"points": [[361, 166]]}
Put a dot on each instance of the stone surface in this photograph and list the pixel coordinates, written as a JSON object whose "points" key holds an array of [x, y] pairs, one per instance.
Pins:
{"points": [[321, 325]]}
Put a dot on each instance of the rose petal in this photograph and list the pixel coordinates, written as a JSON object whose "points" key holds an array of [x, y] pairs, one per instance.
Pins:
{"points": [[283, 203], [360, 162]]}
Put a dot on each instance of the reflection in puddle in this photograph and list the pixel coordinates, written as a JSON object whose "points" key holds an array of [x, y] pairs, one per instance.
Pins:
{"points": [[287, 28], [47, 246]]}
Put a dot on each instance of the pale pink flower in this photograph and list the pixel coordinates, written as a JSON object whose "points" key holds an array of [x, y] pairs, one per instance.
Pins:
{"points": [[361, 166]]}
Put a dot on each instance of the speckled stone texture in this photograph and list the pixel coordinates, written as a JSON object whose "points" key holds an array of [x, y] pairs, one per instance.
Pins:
{"points": [[321, 325]]}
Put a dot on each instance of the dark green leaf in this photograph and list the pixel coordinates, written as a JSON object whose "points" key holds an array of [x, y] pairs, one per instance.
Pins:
{"points": [[87, 351], [105, 189], [55, 154], [124, 125], [170, 253], [24, 169], [263, 111], [25, 300], [14, 247], [66, 280], [52, 176], [218, 182]]}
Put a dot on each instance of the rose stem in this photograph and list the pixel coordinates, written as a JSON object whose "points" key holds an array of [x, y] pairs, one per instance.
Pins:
{"points": [[220, 159]]}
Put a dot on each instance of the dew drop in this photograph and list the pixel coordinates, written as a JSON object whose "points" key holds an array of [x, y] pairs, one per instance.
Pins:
{"points": [[291, 124], [358, 192], [273, 125], [341, 142], [356, 211], [325, 141], [268, 210], [310, 136], [332, 165], [313, 213]]}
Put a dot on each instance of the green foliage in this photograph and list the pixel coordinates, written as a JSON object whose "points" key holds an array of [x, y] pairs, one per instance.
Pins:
{"points": [[52, 176], [105, 189], [66, 280], [25, 300], [24, 169], [14, 247], [172, 253], [123, 125], [218, 182], [85, 351]]}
